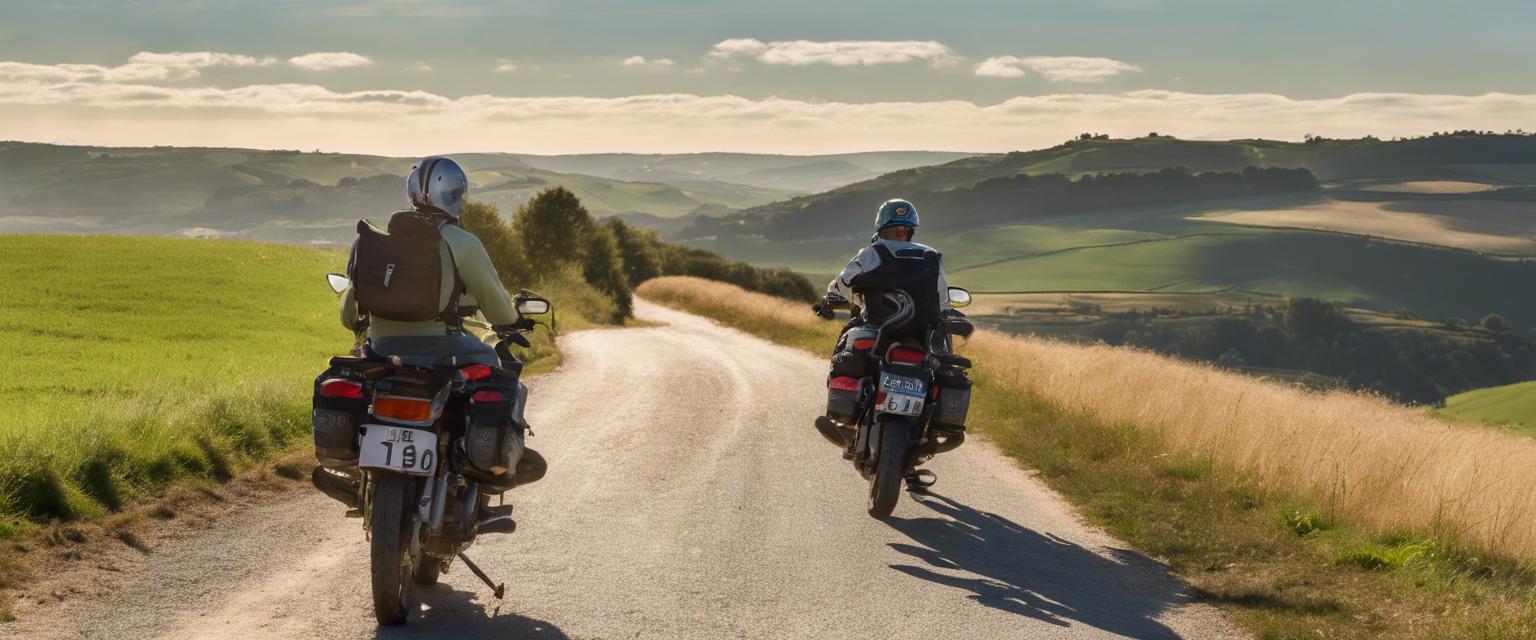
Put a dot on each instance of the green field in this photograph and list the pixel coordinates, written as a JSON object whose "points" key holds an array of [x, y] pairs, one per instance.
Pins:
{"points": [[139, 361], [1513, 405]]}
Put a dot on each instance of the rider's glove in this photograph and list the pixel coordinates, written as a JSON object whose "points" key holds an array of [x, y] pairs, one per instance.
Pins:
{"points": [[824, 309]]}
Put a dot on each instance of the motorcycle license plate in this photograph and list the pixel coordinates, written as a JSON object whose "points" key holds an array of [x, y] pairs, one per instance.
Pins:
{"points": [[400, 449], [903, 395]]}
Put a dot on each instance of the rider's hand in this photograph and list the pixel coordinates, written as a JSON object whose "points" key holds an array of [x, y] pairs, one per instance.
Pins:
{"points": [[824, 309]]}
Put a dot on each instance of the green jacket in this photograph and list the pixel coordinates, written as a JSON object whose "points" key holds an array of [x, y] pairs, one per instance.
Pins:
{"points": [[482, 288]]}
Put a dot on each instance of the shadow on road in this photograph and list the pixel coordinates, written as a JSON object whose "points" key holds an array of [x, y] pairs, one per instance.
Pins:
{"points": [[450, 613], [1035, 575]]}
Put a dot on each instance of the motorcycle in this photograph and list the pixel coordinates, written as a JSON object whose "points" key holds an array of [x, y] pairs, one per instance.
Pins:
{"points": [[897, 401], [397, 439]]}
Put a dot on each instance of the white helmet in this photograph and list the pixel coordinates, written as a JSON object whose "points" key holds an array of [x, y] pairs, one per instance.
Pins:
{"points": [[437, 184]]}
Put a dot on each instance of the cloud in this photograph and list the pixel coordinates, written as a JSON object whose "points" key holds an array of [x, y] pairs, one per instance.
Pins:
{"points": [[839, 53], [1055, 68], [88, 104], [504, 66], [327, 60], [418, 67], [643, 62], [144, 66]]}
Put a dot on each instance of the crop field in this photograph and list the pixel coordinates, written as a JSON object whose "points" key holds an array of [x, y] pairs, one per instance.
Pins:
{"points": [[1512, 405], [138, 361], [1478, 225], [1424, 186]]}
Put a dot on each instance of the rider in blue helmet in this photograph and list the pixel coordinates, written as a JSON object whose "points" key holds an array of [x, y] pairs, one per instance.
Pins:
{"points": [[895, 224]]}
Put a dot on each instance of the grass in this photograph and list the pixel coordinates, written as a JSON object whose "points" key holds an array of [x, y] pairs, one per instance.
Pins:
{"points": [[1304, 515], [1511, 405]]}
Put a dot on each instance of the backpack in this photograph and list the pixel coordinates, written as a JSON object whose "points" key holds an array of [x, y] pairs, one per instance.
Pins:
{"points": [[398, 275]]}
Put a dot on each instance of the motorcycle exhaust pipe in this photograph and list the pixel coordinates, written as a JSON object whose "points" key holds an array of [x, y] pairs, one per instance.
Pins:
{"points": [[530, 468], [952, 440], [831, 432], [336, 486]]}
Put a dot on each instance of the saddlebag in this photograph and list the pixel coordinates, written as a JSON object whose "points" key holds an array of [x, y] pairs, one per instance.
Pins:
{"points": [[954, 400], [494, 422], [842, 398], [336, 416]]}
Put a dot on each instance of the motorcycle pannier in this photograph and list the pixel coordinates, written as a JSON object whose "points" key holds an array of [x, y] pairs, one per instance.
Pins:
{"points": [[842, 398], [954, 400], [340, 405], [490, 438], [398, 275]]}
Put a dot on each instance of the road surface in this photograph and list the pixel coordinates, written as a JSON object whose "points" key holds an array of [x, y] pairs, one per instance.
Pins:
{"points": [[688, 497]]}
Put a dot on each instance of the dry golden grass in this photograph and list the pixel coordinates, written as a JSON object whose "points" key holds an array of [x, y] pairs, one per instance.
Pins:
{"points": [[1477, 225], [1371, 461]]}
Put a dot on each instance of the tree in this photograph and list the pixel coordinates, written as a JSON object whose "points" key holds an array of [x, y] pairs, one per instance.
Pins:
{"points": [[1495, 322], [553, 229], [603, 268], [485, 221], [639, 250]]}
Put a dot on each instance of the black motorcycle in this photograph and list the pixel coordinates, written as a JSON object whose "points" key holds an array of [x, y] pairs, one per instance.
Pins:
{"points": [[406, 443], [895, 401]]}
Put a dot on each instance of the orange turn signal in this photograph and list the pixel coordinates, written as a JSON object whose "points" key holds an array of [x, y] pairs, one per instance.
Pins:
{"points": [[405, 409]]}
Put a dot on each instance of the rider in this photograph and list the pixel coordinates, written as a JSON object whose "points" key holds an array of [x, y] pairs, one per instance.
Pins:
{"points": [[895, 225], [436, 188]]}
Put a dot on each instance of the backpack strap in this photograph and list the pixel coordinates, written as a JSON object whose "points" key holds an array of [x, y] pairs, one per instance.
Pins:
{"points": [[450, 314]]}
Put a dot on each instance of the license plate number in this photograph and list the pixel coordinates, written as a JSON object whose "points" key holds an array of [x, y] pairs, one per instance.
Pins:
{"points": [[903, 395], [408, 451]]}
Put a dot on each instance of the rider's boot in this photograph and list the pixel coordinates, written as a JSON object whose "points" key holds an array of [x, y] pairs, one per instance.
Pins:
{"points": [[920, 479]]}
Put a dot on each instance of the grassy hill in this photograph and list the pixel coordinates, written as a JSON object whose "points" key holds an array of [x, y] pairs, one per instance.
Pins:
{"points": [[1513, 405], [803, 174]]}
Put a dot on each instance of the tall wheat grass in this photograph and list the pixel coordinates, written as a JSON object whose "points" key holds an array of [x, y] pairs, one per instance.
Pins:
{"points": [[1374, 462]]}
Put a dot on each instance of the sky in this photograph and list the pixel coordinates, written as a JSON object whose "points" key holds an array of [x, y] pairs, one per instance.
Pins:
{"points": [[412, 77]]}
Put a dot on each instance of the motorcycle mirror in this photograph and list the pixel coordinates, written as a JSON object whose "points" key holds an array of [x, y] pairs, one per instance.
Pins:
{"points": [[959, 297], [338, 282], [532, 306]]}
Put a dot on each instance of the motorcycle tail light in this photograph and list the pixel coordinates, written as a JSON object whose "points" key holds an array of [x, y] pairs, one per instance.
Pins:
{"points": [[864, 344], [488, 396], [844, 383], [341, 388], [907, 355], [476, 372], [402, 408]]}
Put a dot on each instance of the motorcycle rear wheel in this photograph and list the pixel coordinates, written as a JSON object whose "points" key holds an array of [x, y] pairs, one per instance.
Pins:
{"points": [[392, 566], [890, 468]]}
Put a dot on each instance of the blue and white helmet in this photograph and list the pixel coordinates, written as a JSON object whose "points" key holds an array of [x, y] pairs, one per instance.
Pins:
{"points": [[437, 184], [896, 213]]}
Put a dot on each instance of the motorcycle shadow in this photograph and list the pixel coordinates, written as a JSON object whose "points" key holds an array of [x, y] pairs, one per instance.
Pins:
{"points": [[1011, 568], [446, 612]]}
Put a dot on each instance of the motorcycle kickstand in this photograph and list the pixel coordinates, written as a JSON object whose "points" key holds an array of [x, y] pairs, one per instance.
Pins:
{"points": [[498, 589]]}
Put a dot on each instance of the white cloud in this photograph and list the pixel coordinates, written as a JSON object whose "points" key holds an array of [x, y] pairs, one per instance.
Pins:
{"points": [[51, 105], [643, 62], [836, 53], [144, 66], [327, 60], [504, 66], [418, 67], [1055, 68]]}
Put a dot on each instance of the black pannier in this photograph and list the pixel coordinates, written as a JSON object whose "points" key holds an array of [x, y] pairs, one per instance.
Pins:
{"points": [[493, 423], [954, 400], [336, 419], [398, 275], [843, 398]]}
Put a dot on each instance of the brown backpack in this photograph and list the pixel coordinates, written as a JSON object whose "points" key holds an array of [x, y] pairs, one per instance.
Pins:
{"points": [[398, 274]]}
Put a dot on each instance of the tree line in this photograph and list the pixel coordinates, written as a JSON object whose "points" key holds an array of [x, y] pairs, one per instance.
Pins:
{"points": [[1416, 365], [552, 241]]}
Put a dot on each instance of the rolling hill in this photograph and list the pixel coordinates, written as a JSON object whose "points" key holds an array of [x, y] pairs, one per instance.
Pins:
{"points": [[290, 196], [1513, 405], [1379, 230]]}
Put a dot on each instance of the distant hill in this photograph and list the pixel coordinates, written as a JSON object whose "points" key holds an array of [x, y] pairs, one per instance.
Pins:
{"points": [[289, 196], [803, 174]]}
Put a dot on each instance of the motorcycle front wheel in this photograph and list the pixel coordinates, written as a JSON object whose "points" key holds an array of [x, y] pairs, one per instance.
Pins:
{"points": [[393, 568], [890, 467]]}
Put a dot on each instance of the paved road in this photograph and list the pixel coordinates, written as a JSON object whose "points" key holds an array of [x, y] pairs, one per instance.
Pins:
{"points": [[688, 497]]}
